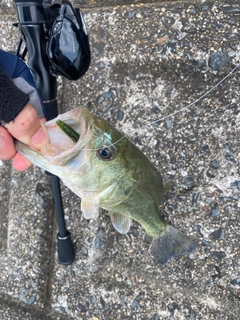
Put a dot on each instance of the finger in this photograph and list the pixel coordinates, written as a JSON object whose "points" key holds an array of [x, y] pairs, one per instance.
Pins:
{"points": [[20, 163], [7, 149], [28, 129]]}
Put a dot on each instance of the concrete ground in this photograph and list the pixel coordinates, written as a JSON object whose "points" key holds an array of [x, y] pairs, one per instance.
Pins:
{"points": [[149, 60]]}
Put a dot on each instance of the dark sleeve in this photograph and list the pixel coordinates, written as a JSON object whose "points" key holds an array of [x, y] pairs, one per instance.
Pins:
{"points": [[12, 100]]}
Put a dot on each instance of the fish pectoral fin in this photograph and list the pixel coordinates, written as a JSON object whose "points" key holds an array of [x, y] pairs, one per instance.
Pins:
{"points": [[121, 223], [89, 210]]}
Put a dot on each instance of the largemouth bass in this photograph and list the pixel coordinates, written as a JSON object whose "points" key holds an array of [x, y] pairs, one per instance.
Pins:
{"points": [[107, 171]]}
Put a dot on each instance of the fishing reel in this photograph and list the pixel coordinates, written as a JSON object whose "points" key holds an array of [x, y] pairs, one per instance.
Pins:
{"points": [[64, 43], [67, 40]]}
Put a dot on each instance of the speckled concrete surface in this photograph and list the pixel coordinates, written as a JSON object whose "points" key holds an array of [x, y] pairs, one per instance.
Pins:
{"points": [[148, 61]]}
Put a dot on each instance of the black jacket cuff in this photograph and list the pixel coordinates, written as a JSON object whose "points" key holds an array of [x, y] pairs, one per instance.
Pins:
{"points": [[12, 100]]}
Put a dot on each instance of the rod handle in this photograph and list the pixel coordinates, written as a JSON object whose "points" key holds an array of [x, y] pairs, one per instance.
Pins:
{"points": [[66, 253]]}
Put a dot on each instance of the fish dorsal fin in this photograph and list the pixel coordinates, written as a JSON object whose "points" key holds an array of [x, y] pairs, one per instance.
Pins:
{"points": [[121, 223], [89, 210]]}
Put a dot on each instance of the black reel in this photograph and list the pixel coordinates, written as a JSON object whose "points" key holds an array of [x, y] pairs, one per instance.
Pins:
{"points": [[65, 40], [68, 45]]}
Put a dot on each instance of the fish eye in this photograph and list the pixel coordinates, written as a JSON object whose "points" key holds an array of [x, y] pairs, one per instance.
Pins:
{"points": [[105, 153]]}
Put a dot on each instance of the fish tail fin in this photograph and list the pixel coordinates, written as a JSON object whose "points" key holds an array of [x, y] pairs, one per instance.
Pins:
{"points": [[171, 243]]}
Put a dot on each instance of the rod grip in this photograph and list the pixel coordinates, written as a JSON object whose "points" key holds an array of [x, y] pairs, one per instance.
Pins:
{"points": [[66, 253]]}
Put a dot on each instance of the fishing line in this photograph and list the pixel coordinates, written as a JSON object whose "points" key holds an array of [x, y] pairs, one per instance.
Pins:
{"points": [[196, 101], [178, 111]]}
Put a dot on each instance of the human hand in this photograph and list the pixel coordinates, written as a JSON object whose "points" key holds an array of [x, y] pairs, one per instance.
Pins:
{"points": [[21, 110], [27, 128]]}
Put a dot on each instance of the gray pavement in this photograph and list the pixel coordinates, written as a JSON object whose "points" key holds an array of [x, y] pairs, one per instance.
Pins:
{"points": [[149, 60]]}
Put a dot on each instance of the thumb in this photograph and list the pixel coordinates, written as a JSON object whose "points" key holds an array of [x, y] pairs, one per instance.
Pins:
{"points": [[28, 128]]}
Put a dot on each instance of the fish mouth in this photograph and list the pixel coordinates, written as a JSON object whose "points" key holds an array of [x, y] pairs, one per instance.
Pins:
{"points": [[61, 149]]}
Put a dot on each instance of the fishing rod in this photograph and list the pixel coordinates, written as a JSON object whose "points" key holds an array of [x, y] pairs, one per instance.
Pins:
{"points": [[57, 43]]}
